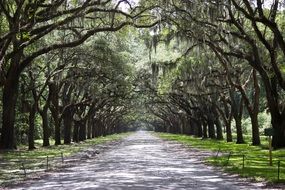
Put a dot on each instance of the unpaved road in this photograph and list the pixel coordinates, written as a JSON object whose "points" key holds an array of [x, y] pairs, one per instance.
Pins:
{"points": [[141, 161]]}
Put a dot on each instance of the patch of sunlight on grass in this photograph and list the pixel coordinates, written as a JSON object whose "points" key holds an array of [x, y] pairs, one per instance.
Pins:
{"points": [[256, 161]]}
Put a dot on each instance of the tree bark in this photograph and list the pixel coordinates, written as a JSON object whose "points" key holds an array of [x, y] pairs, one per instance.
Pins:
{"points": [[75, 131], [229, 131], [9, 98], [89, 128], [240, 139], [199, 129], [211, 130], [237, 110], [278, 123], [46, 132], [56, 120], [276, 112], [67, 123], [55, 112], [205, 134], [94, 123], [219, 129], [82, 130], [255, 129], [192, 127], [97, 128], [31, 134]]}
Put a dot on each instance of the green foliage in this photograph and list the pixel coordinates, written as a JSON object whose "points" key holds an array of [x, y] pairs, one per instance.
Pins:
{"points": [[191, 51], [264, 121], [166, 81]]}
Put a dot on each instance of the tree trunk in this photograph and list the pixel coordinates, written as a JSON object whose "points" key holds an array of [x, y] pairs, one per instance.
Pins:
{"points": [[56, 128], [67, 112], [277, 118], [278, 124], [219, 129], [255, 111], [67, 124], [9, 98], [199, 129], [192, 126], [217, 122], [182, 128], [93, 128], [227, 116], [89, 129], [31, 134], [97, 128], [82, 130], [104, 132], [93, 131], [75, 131], [237, 110], [55, 112], [46, 132], [255, 129], [187, 123], [211, 128], [205, 135], [229, 131], [240, 139]]}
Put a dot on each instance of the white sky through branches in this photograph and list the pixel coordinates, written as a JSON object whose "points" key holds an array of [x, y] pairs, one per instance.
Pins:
{"points": [[125, 6]]}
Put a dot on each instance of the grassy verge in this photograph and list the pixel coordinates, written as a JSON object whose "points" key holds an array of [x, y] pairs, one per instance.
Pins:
{"points": [[11, 162], [245, 160]]}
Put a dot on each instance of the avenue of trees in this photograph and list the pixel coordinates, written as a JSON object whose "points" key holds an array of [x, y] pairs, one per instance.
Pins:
{"points": [[77, 69], [50, 76], [231, 67]]}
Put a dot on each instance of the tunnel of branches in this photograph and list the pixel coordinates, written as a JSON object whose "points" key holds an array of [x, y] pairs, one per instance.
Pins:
{"points": [[72, 70]]}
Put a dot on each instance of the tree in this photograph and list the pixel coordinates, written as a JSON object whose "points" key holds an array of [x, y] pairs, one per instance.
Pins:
{"points": [[244, 31], [31, 24]]}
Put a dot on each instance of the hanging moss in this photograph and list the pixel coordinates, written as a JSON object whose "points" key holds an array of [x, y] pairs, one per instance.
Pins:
{"points": [[155, 41], [154, 69]]}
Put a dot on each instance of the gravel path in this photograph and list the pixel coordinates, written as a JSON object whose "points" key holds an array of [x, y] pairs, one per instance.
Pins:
{"points": [[141, 161]]}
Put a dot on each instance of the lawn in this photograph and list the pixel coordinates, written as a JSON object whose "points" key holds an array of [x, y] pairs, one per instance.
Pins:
{"points": [[243, 159]]}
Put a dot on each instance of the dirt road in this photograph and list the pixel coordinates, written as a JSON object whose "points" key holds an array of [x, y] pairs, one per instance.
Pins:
{"points": [[141, 161]]}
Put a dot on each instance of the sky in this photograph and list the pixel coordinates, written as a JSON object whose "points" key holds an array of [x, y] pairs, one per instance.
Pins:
{"points": [[125, 6], [268, 4]]}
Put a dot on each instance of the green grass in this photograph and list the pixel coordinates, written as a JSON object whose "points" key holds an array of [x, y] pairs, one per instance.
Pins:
{"points": [[11, 161], [57, 150], [256, 163]]}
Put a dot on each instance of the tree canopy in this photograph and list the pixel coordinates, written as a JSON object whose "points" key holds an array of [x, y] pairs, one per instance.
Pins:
{"points": [[77, 69]]}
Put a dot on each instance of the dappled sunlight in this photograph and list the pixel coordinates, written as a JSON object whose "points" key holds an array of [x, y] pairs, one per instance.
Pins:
{"points": [[141, 161]]}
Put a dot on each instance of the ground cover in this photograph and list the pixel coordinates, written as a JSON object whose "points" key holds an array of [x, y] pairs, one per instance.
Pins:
{"points": [[243, 159]]}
